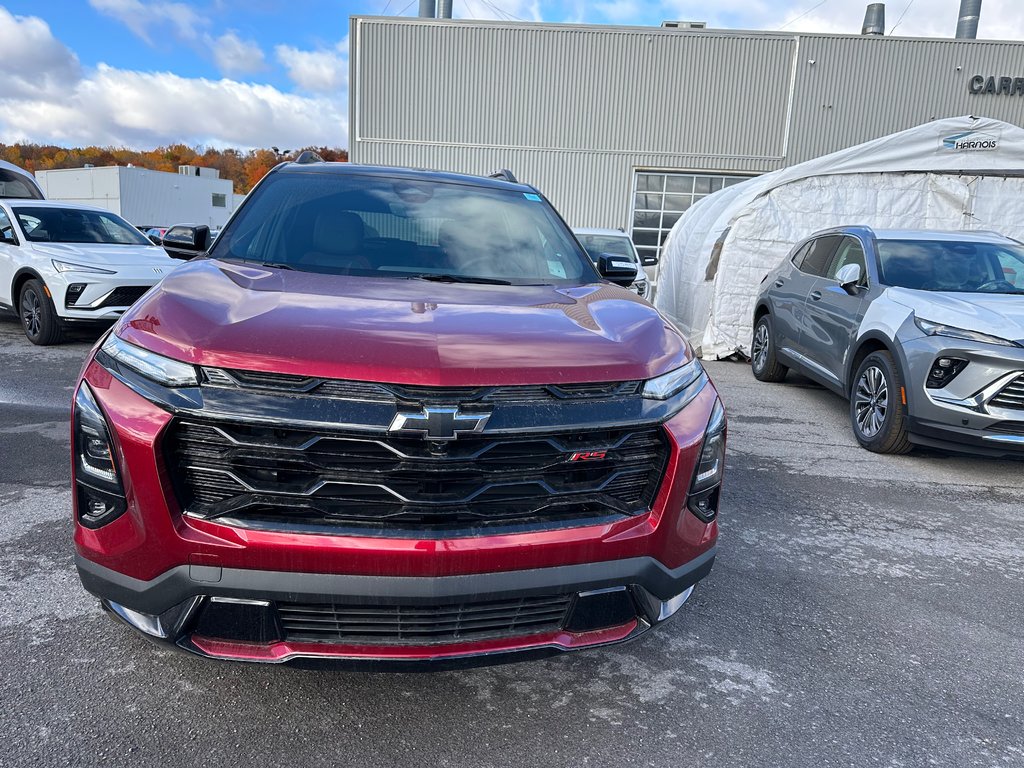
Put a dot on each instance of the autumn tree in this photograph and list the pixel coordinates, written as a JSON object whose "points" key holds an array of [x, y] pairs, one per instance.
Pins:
{"points": [[243, 167]]}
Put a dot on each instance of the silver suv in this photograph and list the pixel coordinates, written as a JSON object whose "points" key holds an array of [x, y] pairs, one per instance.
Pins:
{"points": [[922, 331], [616, 242]]}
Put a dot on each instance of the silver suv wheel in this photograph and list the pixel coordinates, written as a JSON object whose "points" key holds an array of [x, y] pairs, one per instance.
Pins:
{"points": [[871, 401]]}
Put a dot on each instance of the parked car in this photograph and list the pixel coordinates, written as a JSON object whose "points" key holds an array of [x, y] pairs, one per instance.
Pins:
{"points": [[394, 415], [17, 183], [922, 331], [155, 234], [617, 243], [64, 264]]}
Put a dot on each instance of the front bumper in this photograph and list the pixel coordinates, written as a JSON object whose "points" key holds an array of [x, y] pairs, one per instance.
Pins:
{"points": [[966, 414], [232, 614], [98, 300]]}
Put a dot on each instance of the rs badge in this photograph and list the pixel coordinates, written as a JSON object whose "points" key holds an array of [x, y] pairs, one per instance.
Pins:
{"points": [[588, 455]]}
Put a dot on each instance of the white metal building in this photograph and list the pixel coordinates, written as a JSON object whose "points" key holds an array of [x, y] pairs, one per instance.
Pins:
{"points": [[146, 198], [629, 126]]}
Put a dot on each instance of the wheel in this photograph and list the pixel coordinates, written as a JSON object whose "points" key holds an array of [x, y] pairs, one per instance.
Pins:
{"points": [[38, 317], [762, 353], [877, 409]]}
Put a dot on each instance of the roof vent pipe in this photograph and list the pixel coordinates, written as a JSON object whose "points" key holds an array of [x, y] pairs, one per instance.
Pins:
{"points": [[427, 9], [967, 23], [444, 9], [874, 20]]}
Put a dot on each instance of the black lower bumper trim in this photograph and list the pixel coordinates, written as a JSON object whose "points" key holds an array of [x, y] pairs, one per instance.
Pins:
{"points": [[179, 584], [962, 440]]}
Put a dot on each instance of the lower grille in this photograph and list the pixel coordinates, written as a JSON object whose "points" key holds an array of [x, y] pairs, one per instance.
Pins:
{"points": [[289, 478], [1010, 396], [124, 296], [397, 624]]}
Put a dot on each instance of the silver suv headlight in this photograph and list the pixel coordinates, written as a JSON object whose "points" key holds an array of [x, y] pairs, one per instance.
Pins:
{"points": [[939, 329], [163, 370]]}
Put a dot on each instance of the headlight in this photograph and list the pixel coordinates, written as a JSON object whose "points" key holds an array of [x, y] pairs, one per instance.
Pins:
{"points": [[67, 266], [707, 477], [98, 487], [938, 329], [163, 370], [672, 383]]}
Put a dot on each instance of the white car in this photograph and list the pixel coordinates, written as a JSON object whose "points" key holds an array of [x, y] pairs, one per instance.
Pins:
{"points": [[617, 243], [62, 264]]}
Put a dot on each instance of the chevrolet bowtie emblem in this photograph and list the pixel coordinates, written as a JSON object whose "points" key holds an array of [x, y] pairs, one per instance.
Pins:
{"points": [[438, 423]]}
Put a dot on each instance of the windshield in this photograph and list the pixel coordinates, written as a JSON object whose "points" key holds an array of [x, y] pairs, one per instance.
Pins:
{"points": [[396, 227], [73, 225], [598, 244], [949, 265]]}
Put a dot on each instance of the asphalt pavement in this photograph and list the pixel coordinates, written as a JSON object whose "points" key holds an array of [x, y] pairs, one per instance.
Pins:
{"points": [[863, 611]]}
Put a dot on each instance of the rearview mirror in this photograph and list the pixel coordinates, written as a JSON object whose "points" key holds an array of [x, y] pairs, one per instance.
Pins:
{"points": [[617, 269], [185, 241], [849, 278]]}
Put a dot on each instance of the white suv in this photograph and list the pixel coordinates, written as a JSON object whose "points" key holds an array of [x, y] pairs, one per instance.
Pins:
{"points": [[617, 243], [62, 263]]}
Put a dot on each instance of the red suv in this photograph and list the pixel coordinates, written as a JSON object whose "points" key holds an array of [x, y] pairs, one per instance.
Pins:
{"points": [[394, 415]]}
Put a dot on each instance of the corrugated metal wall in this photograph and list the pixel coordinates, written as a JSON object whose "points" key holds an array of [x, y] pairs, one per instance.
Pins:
{"points": [[576, 109], [143, 197], [156, 198]]}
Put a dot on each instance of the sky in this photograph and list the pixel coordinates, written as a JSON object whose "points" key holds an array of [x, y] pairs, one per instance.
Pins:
{"points": [[262, 73]]}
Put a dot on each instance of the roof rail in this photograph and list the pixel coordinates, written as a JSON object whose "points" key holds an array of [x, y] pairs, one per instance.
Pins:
{"points": [[308, 156], [505, 174]]}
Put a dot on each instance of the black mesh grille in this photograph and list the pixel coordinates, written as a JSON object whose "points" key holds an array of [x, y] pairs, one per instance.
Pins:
{"points": [[281, 477], [370, 391], [397, 624], [1010, 396], [124, 296]]}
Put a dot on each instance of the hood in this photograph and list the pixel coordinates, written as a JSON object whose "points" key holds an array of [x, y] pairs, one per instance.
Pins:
{"points": [[997, 314], [401, 331], [107, 255]]}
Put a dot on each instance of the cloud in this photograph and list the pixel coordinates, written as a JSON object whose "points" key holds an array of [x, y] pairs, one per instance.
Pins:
{"points": [[1000, 19], [32, 60], [182, 20], [502, 10], [146, 109], [235, 56], [319, 71]]}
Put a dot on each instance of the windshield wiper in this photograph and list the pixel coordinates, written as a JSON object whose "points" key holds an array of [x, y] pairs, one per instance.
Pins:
{"points": [[448, 278]]}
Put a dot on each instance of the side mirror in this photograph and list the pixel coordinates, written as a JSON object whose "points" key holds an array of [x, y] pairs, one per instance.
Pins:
{"points": [[184, 241], [617, 269], [155, 239], [849, 278]]}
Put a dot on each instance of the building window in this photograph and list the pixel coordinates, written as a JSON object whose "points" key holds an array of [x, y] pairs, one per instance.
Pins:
{"points": [[660, 198], [220, 201]]}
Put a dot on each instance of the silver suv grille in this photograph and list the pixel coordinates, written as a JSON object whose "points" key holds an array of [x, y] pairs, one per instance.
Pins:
{"points": [[1010, 396]]}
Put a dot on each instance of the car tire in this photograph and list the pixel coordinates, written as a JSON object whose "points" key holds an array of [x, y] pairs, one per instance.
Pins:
{"points": [[878, 413], [763, 362], [38, 317]]}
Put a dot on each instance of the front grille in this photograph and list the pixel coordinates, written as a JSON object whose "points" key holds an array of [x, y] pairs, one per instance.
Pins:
{"points": [[397, 624], [282, 478], [392, 393], [124, 296], [1010, 396]]}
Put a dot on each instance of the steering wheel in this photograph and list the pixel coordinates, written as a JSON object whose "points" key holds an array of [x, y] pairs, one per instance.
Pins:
{"points": [[997, 285]]}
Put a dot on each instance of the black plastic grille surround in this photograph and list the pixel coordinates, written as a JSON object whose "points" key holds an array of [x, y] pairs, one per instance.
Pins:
{"points": [[285, 478], [1010, 396], [407, 624], [366, 391], [124, 296]]}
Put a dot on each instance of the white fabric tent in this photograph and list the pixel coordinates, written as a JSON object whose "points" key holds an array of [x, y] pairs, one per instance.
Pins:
{"points": [[957, 173]]}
